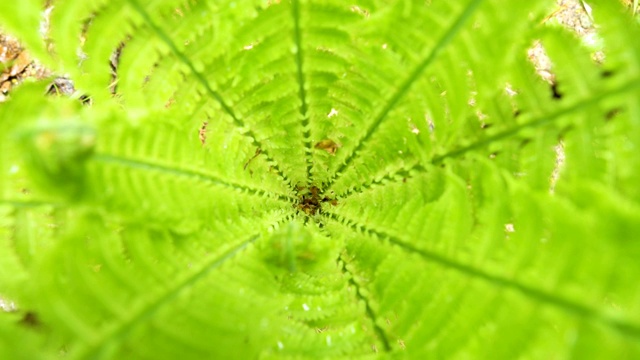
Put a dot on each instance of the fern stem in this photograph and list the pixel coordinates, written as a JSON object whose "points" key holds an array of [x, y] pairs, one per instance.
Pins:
{"points": [[369, 311], [192, 174], [400, 174], [20, 204], [302, 93], [584, 311], [406, 85]]}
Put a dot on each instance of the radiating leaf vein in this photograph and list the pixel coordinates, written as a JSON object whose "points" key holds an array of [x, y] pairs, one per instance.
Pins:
{"points": [[193, 174]]}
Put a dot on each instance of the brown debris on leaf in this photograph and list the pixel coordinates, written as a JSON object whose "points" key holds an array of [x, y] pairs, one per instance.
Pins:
{"points": [[311, 201], [31, 319], [202, 134], [328, 145]]}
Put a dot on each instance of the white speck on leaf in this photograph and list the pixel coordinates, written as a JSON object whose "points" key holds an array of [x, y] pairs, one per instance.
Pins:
{"points": [[332, 113], [509, 228], [429, 119], [402, 344], [7, 306], [305, 307], [509, 90]]}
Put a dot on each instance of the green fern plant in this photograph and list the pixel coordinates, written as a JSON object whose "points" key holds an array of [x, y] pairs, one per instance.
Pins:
{"points": [[316, 179]]}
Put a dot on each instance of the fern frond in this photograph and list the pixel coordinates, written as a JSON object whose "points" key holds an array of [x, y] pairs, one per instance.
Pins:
{"points": [[426, 216], [315, 179], [324, 311], [430, 111], [126, 275]]}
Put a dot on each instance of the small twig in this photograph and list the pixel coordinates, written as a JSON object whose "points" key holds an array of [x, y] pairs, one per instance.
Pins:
{"points": [[258, 151]]}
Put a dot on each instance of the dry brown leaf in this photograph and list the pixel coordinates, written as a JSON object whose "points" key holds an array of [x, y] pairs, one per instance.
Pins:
{"points": [[328, 145]]}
